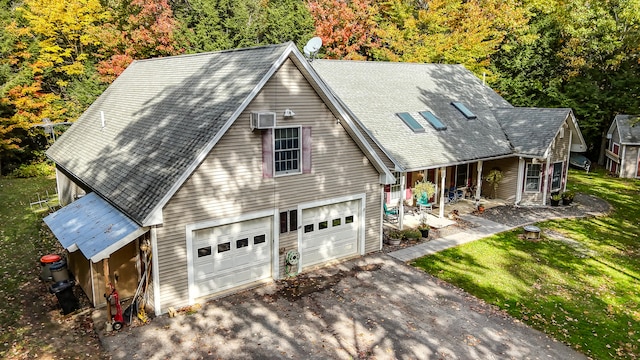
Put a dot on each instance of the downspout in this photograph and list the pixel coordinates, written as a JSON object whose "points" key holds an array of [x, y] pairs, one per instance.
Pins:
{"points": [[521, 163], [443, 176], [403, 186], [479, 181]]}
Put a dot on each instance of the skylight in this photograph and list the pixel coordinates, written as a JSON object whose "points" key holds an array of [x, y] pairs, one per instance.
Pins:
{"points": [[411, 122], [464, 110], [433, 120]]}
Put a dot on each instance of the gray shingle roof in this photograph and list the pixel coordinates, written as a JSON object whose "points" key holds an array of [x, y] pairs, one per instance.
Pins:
{"points": [[159, 115], [531, 130], [628, 134], [376, 91]]}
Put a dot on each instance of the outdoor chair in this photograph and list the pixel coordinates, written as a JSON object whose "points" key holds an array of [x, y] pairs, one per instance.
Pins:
{"points": [[390, 215], [424, 204]]}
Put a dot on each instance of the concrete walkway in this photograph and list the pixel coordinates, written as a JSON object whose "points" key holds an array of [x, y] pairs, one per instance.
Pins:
{"points": [[483, 229]]}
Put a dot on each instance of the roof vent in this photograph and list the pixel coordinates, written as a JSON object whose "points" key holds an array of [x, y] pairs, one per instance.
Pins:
{"points": [[464, 110], [433, 120]]}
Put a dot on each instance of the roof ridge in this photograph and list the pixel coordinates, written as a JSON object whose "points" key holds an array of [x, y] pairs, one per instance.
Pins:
{"points": [[390, 62], [208, 53]]}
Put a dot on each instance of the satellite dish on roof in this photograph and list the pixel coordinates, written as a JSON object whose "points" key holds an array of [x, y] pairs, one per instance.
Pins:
{"points": [[312, 47]]}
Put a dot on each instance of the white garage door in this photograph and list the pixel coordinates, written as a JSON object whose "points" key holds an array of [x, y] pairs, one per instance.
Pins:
{"points": [[329, 232], [231, 255]]}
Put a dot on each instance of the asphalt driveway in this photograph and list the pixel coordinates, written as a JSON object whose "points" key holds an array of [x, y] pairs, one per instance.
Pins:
{"points": [[371, 307]]}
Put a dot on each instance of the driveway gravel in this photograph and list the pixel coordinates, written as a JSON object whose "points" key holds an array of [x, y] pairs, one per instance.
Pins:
{"points": [[372, 307]]}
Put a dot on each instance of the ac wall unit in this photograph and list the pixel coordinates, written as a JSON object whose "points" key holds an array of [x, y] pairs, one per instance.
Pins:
{"points": [[263, 120]]}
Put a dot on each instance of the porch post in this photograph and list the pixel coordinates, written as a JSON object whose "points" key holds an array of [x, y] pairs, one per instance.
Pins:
{"points": [[107, 283], [479, 181], [403, 185], [520, 180], [443, 175]]}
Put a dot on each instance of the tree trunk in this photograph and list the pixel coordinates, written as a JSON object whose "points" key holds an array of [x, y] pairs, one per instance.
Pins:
{"points": [[603, 147]]}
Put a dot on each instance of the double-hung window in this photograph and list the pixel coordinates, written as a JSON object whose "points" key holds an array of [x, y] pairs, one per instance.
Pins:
{"points": [[287, 151], [532, 181], [556, 177]]}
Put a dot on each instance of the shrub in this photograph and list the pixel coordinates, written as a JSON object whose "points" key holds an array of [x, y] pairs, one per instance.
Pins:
{"points": [[412, 234], [33, 170], [568, 195]]}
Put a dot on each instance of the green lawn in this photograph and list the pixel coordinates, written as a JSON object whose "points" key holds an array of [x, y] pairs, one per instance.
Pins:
{"points": [[581, 286], [22, 242]]}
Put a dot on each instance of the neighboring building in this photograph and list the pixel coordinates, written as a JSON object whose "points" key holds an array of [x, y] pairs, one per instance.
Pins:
{"points": [[170, 159], [623, 151], [206, 170], [441, 123]]}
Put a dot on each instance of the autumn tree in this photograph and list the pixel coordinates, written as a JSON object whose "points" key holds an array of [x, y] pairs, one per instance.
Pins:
{"points": [[47, 47], [448, 31], [584, 55], [348, 28], [140, 29]]}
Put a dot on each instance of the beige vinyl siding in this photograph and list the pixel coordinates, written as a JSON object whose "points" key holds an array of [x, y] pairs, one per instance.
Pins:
{"points": [[68, 190], [559, 153], [630, 169], [229, 182], [507, 188]]}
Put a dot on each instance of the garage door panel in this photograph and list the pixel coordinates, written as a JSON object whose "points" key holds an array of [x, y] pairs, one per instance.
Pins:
{"points": [[329, 232], [231, 255]]}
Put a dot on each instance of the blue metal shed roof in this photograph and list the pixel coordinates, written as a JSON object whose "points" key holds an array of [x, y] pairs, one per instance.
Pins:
{"points": [[94, 226]]}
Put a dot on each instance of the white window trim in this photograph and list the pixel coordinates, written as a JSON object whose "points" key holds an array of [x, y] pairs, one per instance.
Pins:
{"points": [[395, 191], [273, 155], [526, 172], [561, 176], [613, 145]]}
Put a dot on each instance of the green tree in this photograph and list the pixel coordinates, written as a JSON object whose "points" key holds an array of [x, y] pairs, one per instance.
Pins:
{"points": [[448, 31], [227, 24], [584, 55], [347, 27], [140, 29]]}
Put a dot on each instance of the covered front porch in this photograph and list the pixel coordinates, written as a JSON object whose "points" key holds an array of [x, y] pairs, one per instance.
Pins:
{"points": [[413, 215], [457, 187]]}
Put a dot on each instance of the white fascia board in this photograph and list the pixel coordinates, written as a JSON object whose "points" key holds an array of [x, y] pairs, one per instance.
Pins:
{"points": [[342, 112], [573, 122], [386, 180], [203, 154], [438, 166], [106, 253]]}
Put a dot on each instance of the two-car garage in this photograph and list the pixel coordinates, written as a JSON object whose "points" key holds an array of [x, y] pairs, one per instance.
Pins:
{"points": [[234, 254]]}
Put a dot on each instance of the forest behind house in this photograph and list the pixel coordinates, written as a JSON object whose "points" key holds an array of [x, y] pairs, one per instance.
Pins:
{"points": [[58, 56]]}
